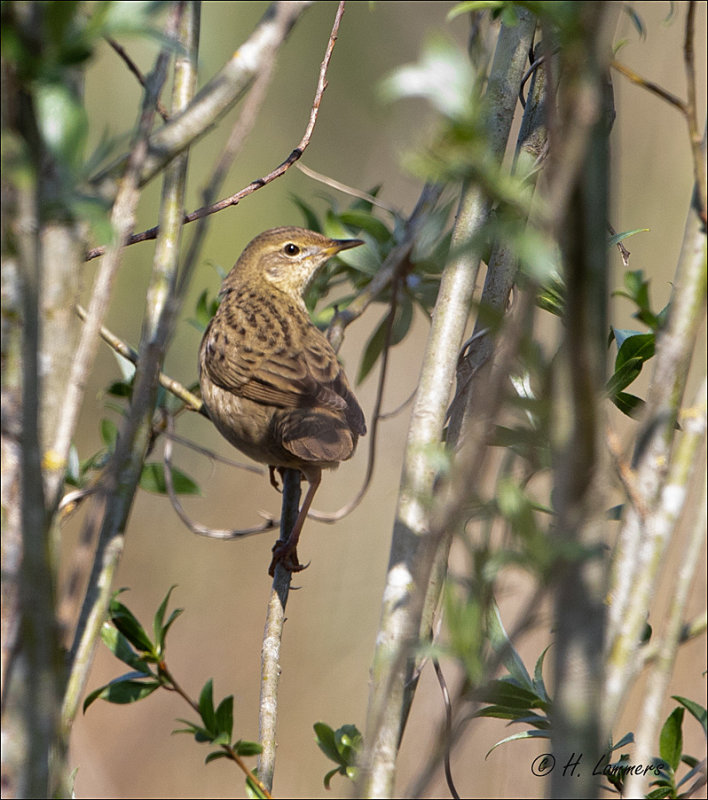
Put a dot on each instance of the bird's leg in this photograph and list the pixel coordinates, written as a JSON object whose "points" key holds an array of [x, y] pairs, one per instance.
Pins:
{"points": [[285, 553]]}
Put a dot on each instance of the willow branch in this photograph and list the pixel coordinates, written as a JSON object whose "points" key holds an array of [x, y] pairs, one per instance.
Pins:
{"points": [[640, 543], [660, 676], [413, 548]]}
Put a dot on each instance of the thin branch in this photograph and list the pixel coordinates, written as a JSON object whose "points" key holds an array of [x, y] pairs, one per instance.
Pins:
{"points": [[624, 253], [342, 187], [215, 98], [375, 419], [279, 171], [642, 541], [121, 347], [650, 86], [201, 530], [626, 474], [699, 158], [273, 635], [133, 67], [214, 456]]}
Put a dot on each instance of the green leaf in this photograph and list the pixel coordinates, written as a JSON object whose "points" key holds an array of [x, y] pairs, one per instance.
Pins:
{"points": [[311, 220], [160, 628], [206, 707], [109, 433], [671, 739], [125, 689], [443, 76], [628, 738], [364, 220], [325, 741], [328, 777], [152, 479], [619, 237], [129, 626], [508, 695], [120, 389], [502, 644], [625, 375], [551, 297], [401, 325], [629, 404], [200, 734], [640, 346], [538, 676], [121, 649], [635, 19], [246, 748], [533, 734], [225, 717], [216, 754], [696, 709], [253, 791], [62, 121]]}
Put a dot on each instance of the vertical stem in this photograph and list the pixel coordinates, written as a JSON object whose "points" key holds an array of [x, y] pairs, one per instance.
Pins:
{"points": [[273, 634], [578, 445], [413, 547]]}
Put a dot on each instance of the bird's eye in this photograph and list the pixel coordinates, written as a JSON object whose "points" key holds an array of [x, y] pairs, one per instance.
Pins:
{"points": [[291, 249]]}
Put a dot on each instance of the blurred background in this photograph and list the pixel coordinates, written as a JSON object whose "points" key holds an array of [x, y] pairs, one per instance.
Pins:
{"points": [[127, 751]]}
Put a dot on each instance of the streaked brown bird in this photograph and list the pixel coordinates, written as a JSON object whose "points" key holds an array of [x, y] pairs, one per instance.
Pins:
{"points": [[270, 380]]}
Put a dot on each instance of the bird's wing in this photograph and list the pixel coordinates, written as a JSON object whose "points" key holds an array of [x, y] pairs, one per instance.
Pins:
{"points": [[269, 371]]}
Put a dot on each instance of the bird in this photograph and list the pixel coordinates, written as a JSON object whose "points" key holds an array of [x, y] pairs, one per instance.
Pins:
{"points": [[270, 381]]}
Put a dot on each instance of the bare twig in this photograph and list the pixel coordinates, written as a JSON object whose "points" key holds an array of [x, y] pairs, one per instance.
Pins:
{"points": [[620, 246], [694, 132], [273, 635], [133, 67], [375, 419], [342, 187], [121, 347], [626, 474], [650, 86], [195, 527], [214, 456]]}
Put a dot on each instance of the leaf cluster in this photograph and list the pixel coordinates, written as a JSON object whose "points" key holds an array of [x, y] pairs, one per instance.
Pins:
{"points": [[81, 473], [342, 746], [129, 642], [416, 284]]}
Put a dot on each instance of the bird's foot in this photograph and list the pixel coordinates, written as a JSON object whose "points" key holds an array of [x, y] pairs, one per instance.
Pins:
{"points": [[285, 554], [273, 480]]}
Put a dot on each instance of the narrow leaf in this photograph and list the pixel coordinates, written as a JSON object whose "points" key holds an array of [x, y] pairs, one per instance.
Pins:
{"points": [[671, 739], [152, 479]]}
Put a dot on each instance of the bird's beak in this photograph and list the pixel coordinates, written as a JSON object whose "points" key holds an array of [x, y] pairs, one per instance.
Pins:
{"points": [[338, 245]]}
